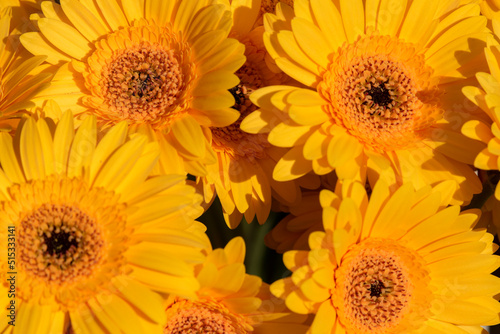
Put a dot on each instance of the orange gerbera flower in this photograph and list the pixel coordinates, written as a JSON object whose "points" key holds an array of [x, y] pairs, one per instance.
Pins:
{"points": [[164, 67], [397, 262], [383, 87]]}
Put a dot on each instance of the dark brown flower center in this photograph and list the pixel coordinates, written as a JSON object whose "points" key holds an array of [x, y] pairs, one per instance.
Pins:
{"points": [[380, 95], [376, 288], [59, 243]]}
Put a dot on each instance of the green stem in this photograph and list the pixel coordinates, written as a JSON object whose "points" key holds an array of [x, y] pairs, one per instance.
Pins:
{"points": [[256, 249]]}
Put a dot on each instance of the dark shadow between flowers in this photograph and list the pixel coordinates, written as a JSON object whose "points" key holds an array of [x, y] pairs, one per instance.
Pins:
{"points": [[259, 259]]}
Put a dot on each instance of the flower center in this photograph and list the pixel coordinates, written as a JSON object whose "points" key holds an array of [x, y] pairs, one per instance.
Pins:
{"points": [[59, 243], [381, 91], [140, 79], [205, 316], [378, 289], [379, 95], [380, 283], [231, 139]]}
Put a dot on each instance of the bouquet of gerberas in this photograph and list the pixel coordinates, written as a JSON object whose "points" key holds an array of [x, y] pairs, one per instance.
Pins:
{"points": [[363, 136]]}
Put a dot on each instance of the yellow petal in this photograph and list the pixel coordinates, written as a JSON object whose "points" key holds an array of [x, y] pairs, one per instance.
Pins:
{"points": [[47, 146], [228, 54], [160, 11], [245, 13], [342, 149], [118, 166], [83, 20], [205, 44], [308, 115], [189, 137], [65, 37], [83, 320], [141, 170], [471, 25], [120, 312], [134, 9], [465, 265], [477, 130], [330, 22], [214, 81], [181, 286], [292, 165], [241, 185], [31, 151], [115, 18], [378, 198], [290, 46], [288, 135], [316, 145], [421, 13], [8, 159], [34, 318], [158, 257], [186, 13], [433, 228], [209, 18], [235, 250], [37, 44], [389, 16], [473, 311], [314, 292], [311, 41], [298, 72], [63, 138], [354, 20], [83, 147], [325, 318], [110, 142], [142, 298]]}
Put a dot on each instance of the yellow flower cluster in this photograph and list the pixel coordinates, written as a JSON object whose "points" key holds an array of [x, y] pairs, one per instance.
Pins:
{"points": [[371, 126]]}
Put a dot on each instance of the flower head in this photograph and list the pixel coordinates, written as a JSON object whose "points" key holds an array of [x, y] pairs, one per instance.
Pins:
{"points": [[242, 177], [397, 262], [166, 68], [229, 300], [383, 97], [90, 226]]}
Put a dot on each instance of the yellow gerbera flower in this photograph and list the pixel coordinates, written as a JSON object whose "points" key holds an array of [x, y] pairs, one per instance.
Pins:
{"points": [[20, 77], [166, 67], [487, 128], [230, 301], [384, 96], [91, 239], [398, 262], [242, 177]]}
